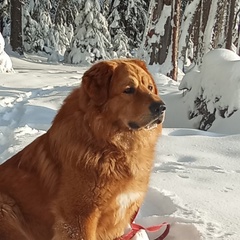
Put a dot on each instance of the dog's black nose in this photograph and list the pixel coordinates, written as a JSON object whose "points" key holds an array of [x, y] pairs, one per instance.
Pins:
{"points": [[157, 108]]}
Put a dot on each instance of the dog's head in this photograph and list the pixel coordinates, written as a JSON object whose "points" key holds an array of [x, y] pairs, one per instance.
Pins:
{"points": [[125, 92]]}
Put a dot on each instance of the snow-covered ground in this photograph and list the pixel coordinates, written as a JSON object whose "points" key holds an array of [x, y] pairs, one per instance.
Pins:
{"points": [[195, 182]]}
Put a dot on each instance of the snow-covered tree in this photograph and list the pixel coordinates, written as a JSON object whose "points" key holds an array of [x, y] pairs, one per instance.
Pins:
{"points": [[120, 44], [65, 16], [38, 32], [91, 40], [105, 7], [157, 38], [66, 12], [128, 17], [54, 8]]}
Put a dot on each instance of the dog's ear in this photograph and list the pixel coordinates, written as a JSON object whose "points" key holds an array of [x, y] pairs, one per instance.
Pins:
{"points": [[142, 65], [96, 81]]}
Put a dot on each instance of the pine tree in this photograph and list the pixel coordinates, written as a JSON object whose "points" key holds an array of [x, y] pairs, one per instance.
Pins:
{"points": [[5, 17], [120, 44], [38, 32], [230, 25], [66, 13], [91, 40], [128, 17], [54, 8], [105, 7]]}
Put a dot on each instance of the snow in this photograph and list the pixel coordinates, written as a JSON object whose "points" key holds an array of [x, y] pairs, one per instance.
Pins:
{"points": [[91, 34], [195, 181], [166, 12], [219, 89], [5, 61]]}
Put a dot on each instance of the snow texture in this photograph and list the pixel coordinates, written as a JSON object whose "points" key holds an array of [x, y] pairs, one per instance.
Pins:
{"points": [[5, 61], [216, 86]]}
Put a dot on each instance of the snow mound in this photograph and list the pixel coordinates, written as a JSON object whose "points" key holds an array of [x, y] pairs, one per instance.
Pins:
{"points": [[214, 90], [163, 206], [55, 57], [5, 61]]}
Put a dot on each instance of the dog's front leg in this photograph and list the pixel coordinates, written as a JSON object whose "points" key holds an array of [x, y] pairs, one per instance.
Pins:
{"points": [[81, 228]]}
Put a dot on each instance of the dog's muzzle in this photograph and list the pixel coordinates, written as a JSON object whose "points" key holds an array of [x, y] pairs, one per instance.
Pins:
{"points": [[157, 112], [157, 108]]}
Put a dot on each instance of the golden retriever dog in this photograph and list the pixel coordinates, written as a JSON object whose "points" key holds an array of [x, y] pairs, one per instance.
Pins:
{"points": [[86, 177]]}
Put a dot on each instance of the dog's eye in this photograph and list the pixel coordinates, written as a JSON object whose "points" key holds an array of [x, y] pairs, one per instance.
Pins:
{"points": [[150, 87], [129, 90]]}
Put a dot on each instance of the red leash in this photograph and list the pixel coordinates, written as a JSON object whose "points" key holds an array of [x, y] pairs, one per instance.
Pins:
{"points": [[136, 227]]}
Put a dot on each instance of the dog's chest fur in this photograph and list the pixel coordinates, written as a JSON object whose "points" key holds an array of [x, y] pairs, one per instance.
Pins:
{"points": [[125, 200]]}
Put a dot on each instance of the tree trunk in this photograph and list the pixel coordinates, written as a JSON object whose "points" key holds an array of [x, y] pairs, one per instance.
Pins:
{"points": [[201, 21], [175, 36], [205, 7], [16, 26], [230, 25], [219, 25], [155, 16], [227, 10], [205, 13], [159, 48], [186, 33], [196, 31]]}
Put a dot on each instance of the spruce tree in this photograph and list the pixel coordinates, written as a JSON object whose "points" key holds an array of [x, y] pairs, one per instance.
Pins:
{"points": [[38, 32], [66, 13], [91, 40], [5, 17], [129, 16]]}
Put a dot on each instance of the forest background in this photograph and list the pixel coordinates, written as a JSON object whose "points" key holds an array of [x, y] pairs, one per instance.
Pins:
{"points": [[174, 34]]}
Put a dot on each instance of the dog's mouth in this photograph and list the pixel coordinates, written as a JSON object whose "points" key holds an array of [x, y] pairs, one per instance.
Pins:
{"points": [[150, 125], [153, 124]]}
